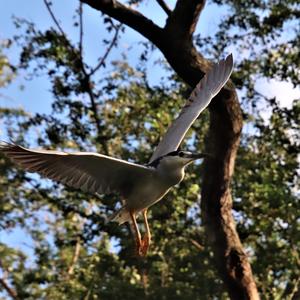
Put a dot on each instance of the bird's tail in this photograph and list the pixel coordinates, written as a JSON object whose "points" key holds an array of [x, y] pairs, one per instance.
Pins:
{"points": [[121, 216]]}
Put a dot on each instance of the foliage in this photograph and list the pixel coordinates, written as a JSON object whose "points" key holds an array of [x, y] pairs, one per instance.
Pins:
{"points": [[266, 190], [264, 36], [76, 254], [7, 70]]}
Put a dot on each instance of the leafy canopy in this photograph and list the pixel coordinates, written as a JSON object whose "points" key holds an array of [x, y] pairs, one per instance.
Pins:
{"points": [[75, 254]]}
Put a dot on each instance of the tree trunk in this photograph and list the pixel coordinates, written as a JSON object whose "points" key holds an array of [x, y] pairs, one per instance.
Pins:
{"points": [[175, 42]]}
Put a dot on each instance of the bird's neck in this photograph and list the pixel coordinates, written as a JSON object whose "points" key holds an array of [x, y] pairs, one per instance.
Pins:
{"points": [[170, 174]]}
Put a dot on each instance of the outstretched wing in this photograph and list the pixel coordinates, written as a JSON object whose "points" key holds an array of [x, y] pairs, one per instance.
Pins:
{"points": [[208, 87], [88, 171]]}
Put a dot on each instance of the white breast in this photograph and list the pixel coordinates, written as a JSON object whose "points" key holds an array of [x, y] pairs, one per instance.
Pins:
{"points": [[152, 189]]}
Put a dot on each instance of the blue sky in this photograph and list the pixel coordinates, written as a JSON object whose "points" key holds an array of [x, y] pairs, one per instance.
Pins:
{"points": [[35, 96]]}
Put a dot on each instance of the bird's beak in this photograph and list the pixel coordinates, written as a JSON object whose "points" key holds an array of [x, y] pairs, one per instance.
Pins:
{"points": [[195, 156]]}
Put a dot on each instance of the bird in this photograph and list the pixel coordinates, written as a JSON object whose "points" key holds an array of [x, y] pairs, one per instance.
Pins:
{"points": [[139, 186]]}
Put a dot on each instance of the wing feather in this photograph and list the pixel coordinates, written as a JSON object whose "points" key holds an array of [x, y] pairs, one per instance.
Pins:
{"points": [[91, 172], [208, 87]]}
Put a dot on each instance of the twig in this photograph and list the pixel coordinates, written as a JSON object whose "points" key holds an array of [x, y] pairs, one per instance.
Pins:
{"points": [[296, 292], [112, 43], [80, 29], [86, 80], [75, 257], [128, 16], [94, 109], [63, 33], [197, 245], [48, 6], [8, 289], [87, 296], [165, 7], [292, 289], [4, 271], [145, 281]]}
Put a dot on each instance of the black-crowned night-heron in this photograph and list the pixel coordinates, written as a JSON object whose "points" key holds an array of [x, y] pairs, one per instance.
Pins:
{"points": [[140, 186]]}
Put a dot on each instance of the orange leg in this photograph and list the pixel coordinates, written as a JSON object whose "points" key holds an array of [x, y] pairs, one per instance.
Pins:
{"points": [[138, 239], [147, 237]]}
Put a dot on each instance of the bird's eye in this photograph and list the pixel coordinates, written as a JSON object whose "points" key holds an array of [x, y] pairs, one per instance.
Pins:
{"points": [[181, 154]]}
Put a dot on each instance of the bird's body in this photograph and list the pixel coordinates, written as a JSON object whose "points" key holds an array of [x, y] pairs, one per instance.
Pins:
{"points": [[139, 186], [148, 190]]}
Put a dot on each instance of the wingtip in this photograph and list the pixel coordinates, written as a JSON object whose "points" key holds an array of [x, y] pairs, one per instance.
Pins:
{"points": [[227, 65], [229, 60], [230, 56]]}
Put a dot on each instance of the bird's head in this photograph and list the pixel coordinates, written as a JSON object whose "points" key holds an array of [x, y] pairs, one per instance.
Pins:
{"points": [[178, 158]]}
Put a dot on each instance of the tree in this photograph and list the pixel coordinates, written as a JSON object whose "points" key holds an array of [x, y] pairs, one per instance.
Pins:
{"points": [[84, 112], [7, 71], [223, 137]]}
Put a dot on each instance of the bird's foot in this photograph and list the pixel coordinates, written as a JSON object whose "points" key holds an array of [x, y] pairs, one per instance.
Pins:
{"points": [[142, 246], [138, 250], [145, 245]]}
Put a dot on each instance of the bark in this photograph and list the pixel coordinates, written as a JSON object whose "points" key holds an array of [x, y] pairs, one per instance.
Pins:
{"points": [[164, 6], [175, 42]]}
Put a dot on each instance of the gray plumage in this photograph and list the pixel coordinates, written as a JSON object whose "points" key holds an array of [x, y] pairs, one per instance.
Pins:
{"points": [[208, 87], [140, 186]]}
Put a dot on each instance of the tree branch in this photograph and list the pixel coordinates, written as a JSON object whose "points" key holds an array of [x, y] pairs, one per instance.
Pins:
{"points": [[197, 245], [292, 289], [80, 29], [108, 50], [129, 17], [48, 6], [185, 17], [87, 84], [5, 285], [75, 257], [12, 293], [164, 6], [86, 80]]}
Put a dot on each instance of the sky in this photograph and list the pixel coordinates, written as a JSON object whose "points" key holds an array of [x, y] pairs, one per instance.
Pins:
{"points": [[35, 96]]}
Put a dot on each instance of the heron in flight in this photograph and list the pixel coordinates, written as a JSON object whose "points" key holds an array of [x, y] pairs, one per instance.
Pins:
{"points": [[140, 186]]}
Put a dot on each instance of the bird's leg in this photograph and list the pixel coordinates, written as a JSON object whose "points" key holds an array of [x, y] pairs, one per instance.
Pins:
{"points": [[147, 237], [138, 239]]}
